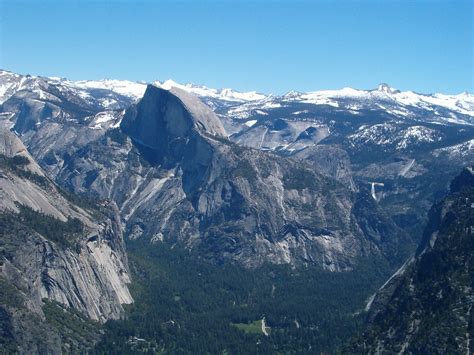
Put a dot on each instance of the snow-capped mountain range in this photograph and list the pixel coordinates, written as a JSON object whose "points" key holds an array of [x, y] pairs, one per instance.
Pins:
{"points": [[407, 146], [326, 178], [384, 117], [406, 100], [445, 108], [12, 82]]}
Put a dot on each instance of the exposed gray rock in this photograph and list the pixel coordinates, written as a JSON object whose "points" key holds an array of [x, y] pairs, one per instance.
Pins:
{"points": [[425, 307], [85, 269], [331, 161], [176, 179]]}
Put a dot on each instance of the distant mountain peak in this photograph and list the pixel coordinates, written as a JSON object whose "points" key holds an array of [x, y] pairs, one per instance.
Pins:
{"points": [[169, 122], [384, 87], [168, 84], [226, 94], [292, 94]]}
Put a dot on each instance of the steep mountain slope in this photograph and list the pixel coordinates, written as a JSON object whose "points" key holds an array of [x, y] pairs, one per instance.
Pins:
{"points": [[426, 306], [410, 149], [246, 204], [33, 100], [314, 180], [405, 142], [176, 178], [364, 142], [54, 253]]}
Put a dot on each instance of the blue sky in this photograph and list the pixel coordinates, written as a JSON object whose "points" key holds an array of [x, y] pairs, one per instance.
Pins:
{"points": [[268, 46]]}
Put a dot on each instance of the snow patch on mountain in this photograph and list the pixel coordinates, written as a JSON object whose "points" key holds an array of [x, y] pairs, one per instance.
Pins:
{"points": [[415, 135], [380, 134], [203, 91], [461, 150], [110, 94], [389, 134], [393, 101], [250, 123], [122, 87], [106, 119]]}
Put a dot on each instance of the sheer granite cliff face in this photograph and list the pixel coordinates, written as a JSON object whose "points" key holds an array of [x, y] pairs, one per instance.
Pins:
{"points": [[176, 178], [53, 249], [425, 307], [92, 278]]}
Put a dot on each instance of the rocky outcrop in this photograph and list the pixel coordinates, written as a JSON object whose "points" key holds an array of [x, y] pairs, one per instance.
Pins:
{"points": [[176, 178], [29, 101], [53, 249], [93, 280], [168, 129], [332, 161], [425, 307], [11, 146]]}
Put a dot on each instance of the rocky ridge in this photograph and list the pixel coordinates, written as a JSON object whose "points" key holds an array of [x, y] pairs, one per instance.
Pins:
{"points": [[425, 307], [331, 139], [53, 249]]}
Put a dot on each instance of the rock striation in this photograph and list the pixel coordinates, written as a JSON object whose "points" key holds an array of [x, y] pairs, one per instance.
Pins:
{"points": [[54, 247]]}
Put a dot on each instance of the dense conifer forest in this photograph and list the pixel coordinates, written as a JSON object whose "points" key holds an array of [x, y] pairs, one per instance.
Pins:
{"points": [[185, 305]]}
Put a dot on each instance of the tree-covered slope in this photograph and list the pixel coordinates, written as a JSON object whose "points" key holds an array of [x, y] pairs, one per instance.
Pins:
{"points": [[63, 267], [426, 306]]}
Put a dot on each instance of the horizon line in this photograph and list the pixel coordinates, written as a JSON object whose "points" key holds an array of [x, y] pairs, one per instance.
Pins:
{"points": [[146, 82]]}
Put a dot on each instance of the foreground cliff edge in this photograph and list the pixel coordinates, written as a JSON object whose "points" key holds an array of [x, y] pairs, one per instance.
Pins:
{"points": [[55, 251]]}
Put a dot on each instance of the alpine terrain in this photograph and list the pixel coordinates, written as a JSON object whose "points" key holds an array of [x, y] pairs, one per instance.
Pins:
{"points": [[252, 222]]}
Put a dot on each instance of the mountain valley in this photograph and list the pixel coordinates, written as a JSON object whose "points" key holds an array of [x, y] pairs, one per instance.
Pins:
{"points": [[194, 212]]}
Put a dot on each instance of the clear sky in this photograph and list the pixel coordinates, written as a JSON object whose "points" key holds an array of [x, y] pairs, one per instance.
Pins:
{"points": [[268, 46]]}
